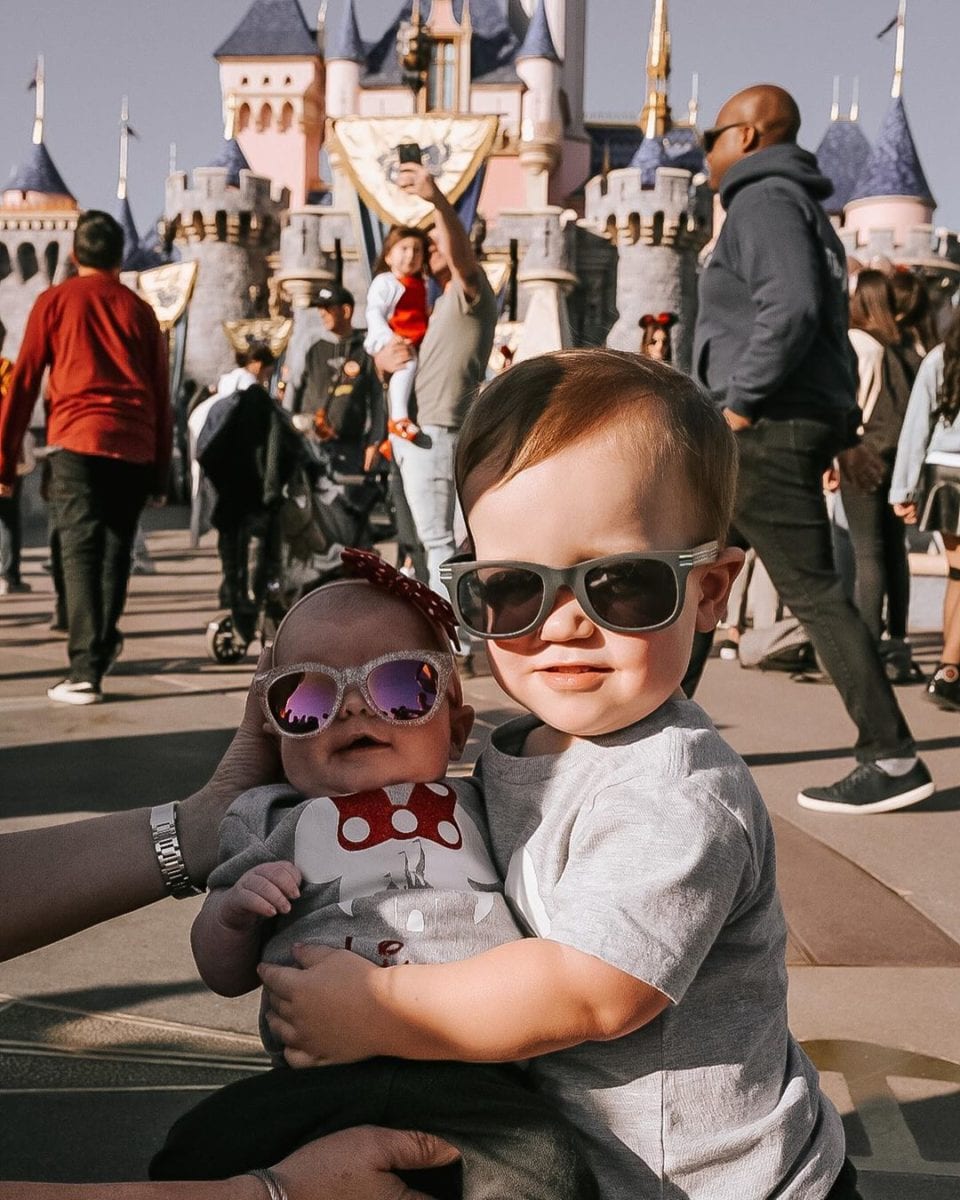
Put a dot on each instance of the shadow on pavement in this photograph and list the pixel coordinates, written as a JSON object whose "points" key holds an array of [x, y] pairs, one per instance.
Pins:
{"points": [[109, 774]]}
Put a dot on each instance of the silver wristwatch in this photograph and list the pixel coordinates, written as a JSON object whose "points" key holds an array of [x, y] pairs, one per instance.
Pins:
{"points": [[163, 826]]}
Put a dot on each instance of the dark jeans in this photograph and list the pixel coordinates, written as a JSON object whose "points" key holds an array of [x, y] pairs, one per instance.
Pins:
{"points": [[251, 550], [780, 511], [512, 1141], [96, 503], [880, 554], [10, 536]]}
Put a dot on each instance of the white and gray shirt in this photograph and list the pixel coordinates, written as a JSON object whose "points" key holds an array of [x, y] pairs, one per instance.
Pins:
{"points": [[651, 849]]}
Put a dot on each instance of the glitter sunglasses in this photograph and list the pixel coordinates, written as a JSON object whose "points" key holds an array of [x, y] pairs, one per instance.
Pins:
{"points": [[406, 687], [625, 593]]}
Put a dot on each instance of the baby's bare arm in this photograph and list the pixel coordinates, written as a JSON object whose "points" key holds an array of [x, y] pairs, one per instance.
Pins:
{"points": [[227, 934]]}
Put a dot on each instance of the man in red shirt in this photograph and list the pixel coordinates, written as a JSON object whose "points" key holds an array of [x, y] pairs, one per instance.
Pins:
{"points": [[109, 425]]}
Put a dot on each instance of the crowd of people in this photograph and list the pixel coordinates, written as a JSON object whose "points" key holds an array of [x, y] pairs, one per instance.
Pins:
{"points": [[331, 816]]}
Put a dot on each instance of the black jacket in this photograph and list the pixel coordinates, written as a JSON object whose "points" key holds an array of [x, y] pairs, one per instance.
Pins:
{"points": [[771, 336]]}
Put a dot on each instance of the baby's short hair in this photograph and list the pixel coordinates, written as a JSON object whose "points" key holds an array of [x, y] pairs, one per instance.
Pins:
{"points": [[546, 404]]}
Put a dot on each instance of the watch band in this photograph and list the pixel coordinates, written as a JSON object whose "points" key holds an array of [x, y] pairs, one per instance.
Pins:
{"points": [[166, 844]]}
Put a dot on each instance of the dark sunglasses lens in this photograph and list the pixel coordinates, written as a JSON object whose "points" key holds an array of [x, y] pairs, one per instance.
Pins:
{"points": [[500, 600], [638, 594], [405, 689], [709, 139], [302, 702]]}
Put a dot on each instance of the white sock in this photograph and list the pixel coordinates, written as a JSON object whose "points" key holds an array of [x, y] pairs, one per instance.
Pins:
{"points": [[897, 766]]}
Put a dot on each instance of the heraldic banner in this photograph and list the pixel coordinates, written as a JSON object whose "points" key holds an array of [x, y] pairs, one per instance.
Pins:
{"points": [[452, 149]]}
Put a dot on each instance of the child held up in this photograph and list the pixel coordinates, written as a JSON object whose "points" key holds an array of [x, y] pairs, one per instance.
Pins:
{"points": [[366, 847], [634, 845]]}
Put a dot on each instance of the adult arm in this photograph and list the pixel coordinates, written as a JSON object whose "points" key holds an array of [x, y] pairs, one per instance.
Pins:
{"points": [[17, 406], [915, 433], [60, 879], [452, 239], [355, 1164], [780, 261]]}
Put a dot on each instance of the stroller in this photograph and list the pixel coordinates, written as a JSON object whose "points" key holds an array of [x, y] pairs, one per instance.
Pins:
{"points": [[284, 511]]}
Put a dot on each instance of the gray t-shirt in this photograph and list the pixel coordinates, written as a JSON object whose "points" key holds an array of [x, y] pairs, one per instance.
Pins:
{"points": [[454, 354], [651, 849], [402, 874]]}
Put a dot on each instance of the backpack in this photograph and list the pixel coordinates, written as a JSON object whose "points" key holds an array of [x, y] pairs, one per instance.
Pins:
{"points": [[782, 646]]}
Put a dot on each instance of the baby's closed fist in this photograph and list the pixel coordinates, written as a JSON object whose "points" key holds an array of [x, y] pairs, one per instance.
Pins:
{"points": [[262, 892]]}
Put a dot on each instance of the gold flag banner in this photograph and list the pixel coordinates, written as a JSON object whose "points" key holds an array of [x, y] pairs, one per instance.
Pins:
{"points": [[453, 149], [168, 290], [264, 331]]}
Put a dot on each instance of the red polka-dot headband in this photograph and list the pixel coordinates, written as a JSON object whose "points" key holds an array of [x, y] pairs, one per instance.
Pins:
{"points": [[369, 566]]}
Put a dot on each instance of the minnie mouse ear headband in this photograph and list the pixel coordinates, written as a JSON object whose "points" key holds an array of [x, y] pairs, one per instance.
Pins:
{"points": [[365, 565], [664, 320]]}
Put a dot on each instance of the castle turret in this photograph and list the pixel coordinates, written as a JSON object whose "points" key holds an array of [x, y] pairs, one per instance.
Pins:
{"points": [[226, 220], [38, 215], [541, 121], [271, 77], [891, 192], [344, 55], [842, 154]]}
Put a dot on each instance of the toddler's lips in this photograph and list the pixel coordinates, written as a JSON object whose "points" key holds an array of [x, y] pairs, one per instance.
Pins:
{"points": [[573, 677]]}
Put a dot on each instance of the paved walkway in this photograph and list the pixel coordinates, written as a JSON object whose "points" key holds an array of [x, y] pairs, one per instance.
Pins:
{"points": [[106, 1037]]}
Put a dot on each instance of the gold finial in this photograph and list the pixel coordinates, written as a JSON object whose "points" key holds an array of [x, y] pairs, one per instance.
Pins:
{"points": [[38, 85], [835, 106], [897, 89], [855, 99], [655, 117], [693, 104], [124, 149]]}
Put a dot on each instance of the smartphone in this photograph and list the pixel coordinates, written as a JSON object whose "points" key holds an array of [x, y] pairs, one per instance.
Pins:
{"points": [[409, 152]]}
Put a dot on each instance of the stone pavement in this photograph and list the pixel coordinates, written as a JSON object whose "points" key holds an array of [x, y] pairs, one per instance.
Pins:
{"points": [[106, 1037]]}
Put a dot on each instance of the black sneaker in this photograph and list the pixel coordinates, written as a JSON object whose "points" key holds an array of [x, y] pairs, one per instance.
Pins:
{"points": [[944, 688], [869, 789]]}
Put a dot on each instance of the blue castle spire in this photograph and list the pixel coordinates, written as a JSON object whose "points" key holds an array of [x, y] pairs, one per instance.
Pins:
{"points": [[347, 44], [270, 29], [538, 42], [233, 158], [38, 174], [893, 168], [842, 156]]}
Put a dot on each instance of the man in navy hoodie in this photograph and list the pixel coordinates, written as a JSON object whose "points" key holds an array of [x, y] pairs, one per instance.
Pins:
{"points": [[771, 345]]}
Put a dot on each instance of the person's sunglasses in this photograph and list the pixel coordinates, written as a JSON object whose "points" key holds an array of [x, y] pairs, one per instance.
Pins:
{"points": [[710, 136], [625, 593], [404, 688]]}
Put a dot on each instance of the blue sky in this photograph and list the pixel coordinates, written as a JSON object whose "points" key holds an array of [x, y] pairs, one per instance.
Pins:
{"points": [[159, 53]]}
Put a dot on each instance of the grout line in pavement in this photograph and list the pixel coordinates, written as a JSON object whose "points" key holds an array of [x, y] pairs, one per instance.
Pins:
{"points": [[144, 1058]]}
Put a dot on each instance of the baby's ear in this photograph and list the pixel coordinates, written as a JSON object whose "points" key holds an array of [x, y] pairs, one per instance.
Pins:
{"points": [[461, 722], [715, 582]]}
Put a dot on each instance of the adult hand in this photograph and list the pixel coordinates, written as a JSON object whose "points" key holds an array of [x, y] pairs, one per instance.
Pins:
{"points": [[862, 466], [735, 421], [252, 759], [831, 479], [906, 512], [157, 501], [417, 180], [392, 357], [358, 1164], [322, 1008]]}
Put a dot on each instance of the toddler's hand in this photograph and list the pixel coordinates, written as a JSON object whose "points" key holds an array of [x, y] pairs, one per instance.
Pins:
{"points": [[264, 891], [404, 428]]}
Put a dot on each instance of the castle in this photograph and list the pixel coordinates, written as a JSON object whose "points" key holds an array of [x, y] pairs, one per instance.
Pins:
{"points": [[588, 224]]}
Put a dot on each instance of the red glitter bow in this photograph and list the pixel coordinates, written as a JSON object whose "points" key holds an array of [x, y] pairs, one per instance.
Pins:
{"points": [[664, 319], [373, 819], [372, 567]]}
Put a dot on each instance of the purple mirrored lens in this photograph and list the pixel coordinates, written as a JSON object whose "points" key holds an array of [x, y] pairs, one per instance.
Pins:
{"points": [[302, 702], [405, 689]]}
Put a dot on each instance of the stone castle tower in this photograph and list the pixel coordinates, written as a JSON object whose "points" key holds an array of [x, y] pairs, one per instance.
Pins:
{"points": [[38, 215], [227, 221], [657, 212]]}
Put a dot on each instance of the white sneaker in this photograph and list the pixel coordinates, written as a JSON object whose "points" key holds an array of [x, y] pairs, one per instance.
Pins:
{"points": [[68, 692]]}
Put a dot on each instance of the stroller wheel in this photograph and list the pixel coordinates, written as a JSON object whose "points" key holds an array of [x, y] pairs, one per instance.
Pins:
{"points": [[224, 644]]}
